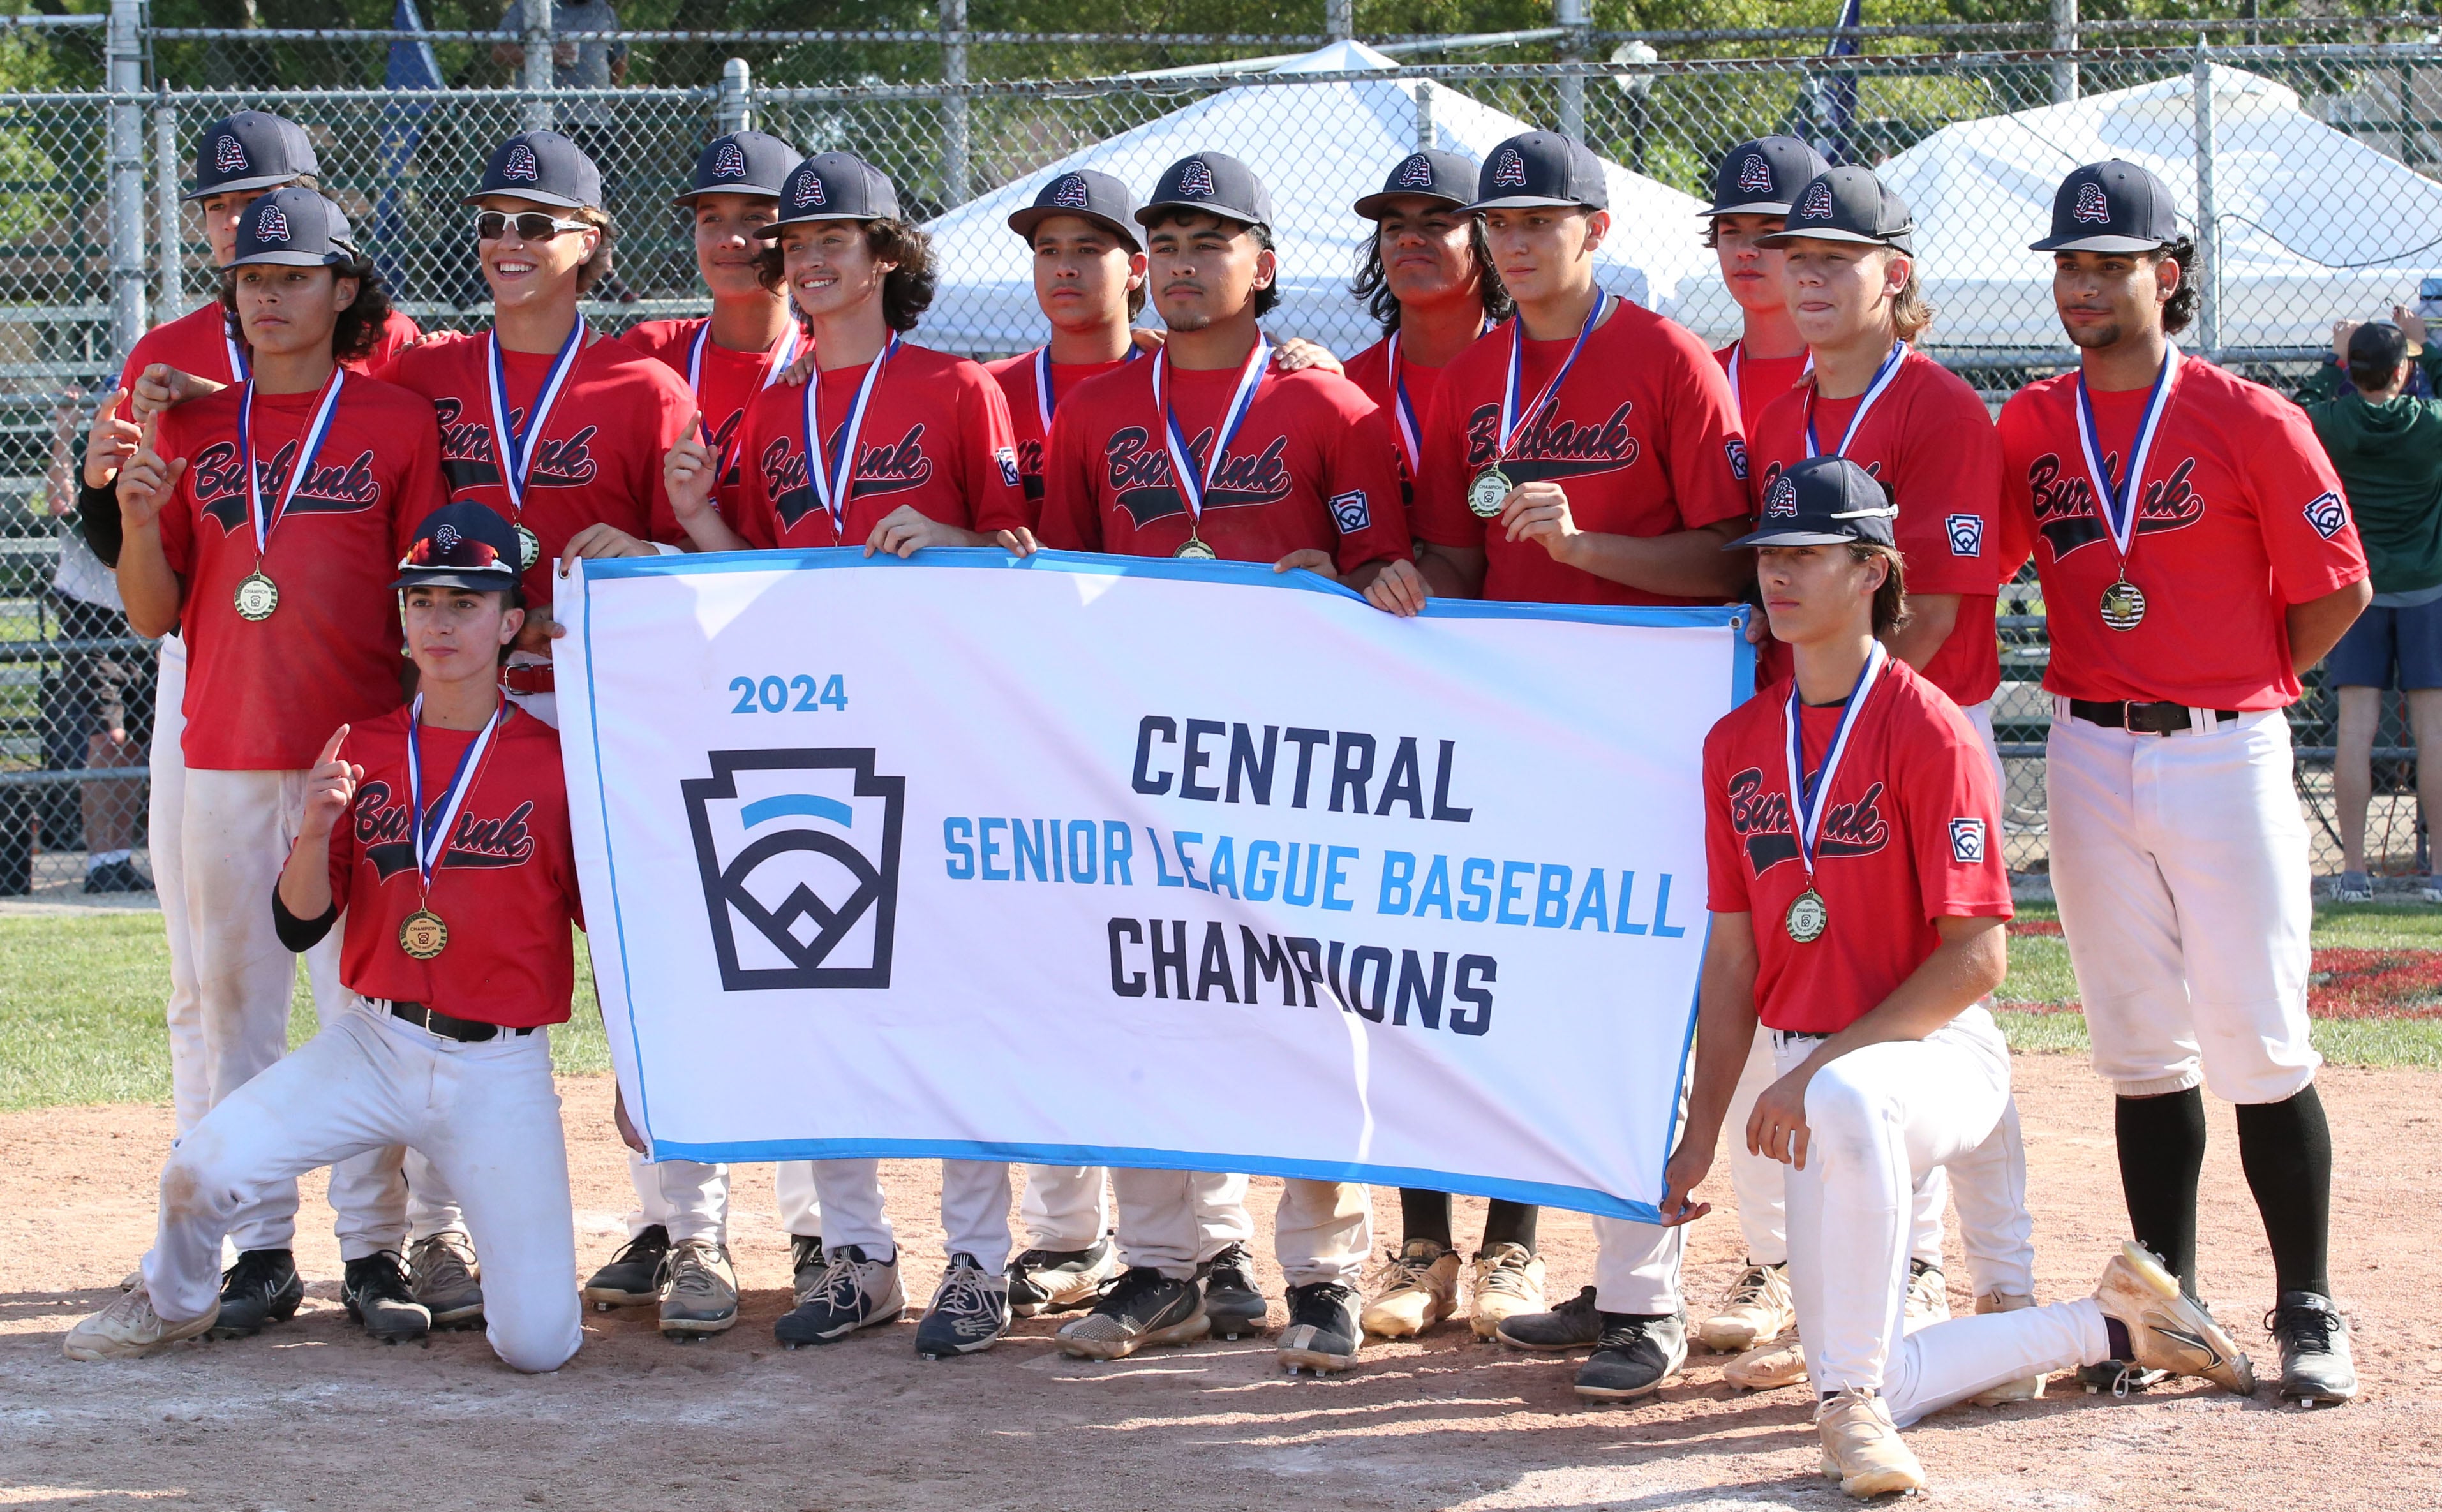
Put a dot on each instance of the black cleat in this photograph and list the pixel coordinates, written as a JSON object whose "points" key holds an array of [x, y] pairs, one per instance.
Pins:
{"points": [[633, 1277], [376, 1293], [1232, 1299], [1635, 1356], [807, 1266], [262, 1288], [1146, 1307], [1062, 1281], [1323, 1332], [2314, 1339], [1573, 1325], [970, 1311]]}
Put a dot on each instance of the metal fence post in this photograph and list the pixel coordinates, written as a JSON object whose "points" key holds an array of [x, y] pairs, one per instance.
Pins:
{"points": [[126, 174], [2063, 40], [2208, 273], [954, 107], [1573, 90], [1340, 19], [170, 293], [1425, 142], [540, 114], [734, 78]]}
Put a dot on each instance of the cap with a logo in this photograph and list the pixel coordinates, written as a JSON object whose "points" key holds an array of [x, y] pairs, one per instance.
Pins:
{"points": [[1847, 204], [250, 150], [1763, 177], [835, 187], [1095, 196], [1822, 501], [1541, 168], [544, 167], [1214, 182], [742, 162], [295, 228], [1427, 175], [464, 544], [2112, 206]]}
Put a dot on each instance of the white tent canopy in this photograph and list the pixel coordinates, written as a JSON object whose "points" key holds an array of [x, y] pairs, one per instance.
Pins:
{"points": [[1317, 147]]}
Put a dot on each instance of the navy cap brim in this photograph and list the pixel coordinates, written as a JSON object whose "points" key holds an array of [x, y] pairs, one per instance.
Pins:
{"points": [[1825, 234], [2099, 241], [1024, 221], [538, 196], [1758, 207], [1154, 211], [753, 191], [1372, 205], [480, 580], [284, 259], [1792, 535], [772, 232], [1526, 202], [239, 186]]}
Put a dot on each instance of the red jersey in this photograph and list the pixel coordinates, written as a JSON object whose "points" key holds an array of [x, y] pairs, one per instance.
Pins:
{"points": [[2239, 517], [726, 384], [1370, 369], [264, 695], [1644, 435], [935, 438], [506, 886], [1929, 440], [598, 460], [1757, 381], [197, 344], [1911, 833], [1311, 467], [1016, 377]]}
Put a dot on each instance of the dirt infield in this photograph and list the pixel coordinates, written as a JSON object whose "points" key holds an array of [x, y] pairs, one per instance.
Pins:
{"points": [[311, 1415]]}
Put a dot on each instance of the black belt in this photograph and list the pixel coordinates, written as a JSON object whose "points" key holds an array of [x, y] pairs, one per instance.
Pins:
{"points": [[2145, 718], [465, 1030]]}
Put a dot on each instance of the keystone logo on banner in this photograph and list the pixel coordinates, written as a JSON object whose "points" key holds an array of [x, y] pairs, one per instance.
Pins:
{"points": [[801, 848]]}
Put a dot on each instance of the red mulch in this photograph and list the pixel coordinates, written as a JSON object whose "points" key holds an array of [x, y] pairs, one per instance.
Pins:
{"points": [[2348, 982]]}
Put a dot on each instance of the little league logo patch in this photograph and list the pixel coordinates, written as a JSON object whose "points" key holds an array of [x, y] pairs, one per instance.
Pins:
{"points": [[1781, 500], [809, 192], [2091, 207], [1509, 169], [1755, 174], [521, 164], [1417, 173], [1195, 179], [1737, 450], [729, 162], [1819, 203], [1350, 511], [1966, 533], [1006, 457], [801, 848], [228, 155], [1070, 194], [271, 225], [1967, 842], [2328, 513]]}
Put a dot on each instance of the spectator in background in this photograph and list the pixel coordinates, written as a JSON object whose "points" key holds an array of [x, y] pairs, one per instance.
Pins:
{"points": [[2387, 447]]}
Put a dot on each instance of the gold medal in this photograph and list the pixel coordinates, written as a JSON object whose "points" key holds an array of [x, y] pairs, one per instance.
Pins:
{"points": [[1195, 549], [423, 934], [257, 596], [1807, 917], [2123, 605], [529, 549], [1485, 495]]}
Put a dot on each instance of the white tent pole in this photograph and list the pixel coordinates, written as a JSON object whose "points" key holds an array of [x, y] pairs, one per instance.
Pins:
{"points": [[2207, 227]]}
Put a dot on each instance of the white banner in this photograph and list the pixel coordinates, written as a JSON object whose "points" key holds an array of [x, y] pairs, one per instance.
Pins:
{"points": [[1089, 860]]}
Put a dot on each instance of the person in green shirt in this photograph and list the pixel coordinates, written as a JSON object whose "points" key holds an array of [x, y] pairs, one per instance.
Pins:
{"points": [[2387, 447]]}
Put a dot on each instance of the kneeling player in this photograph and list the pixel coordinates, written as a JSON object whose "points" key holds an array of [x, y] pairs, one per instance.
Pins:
{"points": [[445, 842], [1858, 910]]}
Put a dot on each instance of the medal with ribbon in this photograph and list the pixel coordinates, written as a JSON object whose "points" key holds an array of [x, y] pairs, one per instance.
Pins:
{"points": [[783, 352], [1403, 410], [422, 934], [257, 595], [517, 447], [1043, 403], [241, 371], [834, 484], [1884, 378], [1808, 917], [2124, 603], [1491, 486], [1193, 484]]}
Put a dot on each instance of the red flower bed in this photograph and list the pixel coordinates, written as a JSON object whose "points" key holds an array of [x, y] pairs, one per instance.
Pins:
{"points": [[2347, 981]]}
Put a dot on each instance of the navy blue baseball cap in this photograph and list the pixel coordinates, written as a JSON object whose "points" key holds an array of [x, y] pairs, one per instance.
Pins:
{"points": [[250, 150], [1427, 174], [1847, 205], [544, 167], [2113, 207], [466, 544], [1822, 501], [1216, 183], [835, 187], [1763, 177], [1541, 168], [1082, 191], [742, 162], [294, 227]]}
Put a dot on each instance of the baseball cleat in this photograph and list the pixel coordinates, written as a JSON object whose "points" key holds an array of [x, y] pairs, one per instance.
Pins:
{"points": [[857, 1293], [805, 1266], [262, 1288], [1418, 1288], [2025, 1388], [1757, 1310], [130, 1329], [2167, 1329], [699, 1291], [448, 1281], [1232, 1299], [1928, 1297], [1145, 1307], [1636, 1357], [2314, 1339], [376, 1293], [1861, 1447], [1508, 1283], [1323, 1334], [1573, 1325], [1768, 1367], [970, 1311], [633, 1277], [1061, 1280]]}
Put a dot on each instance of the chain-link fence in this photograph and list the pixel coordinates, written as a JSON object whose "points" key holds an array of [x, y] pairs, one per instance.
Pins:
{"points": [[2305, 171]]}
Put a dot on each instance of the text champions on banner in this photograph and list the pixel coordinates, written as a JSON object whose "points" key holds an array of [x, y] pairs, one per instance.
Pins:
{"points": [[1087, 859]]}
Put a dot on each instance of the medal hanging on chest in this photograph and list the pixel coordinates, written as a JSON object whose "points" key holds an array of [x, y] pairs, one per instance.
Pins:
{"points": [[257, 596], [424, 933], [1193, 483], [1489, 488], [2123, 606], [783, 352], [832, 477], [516, 448], [1809, 918]]}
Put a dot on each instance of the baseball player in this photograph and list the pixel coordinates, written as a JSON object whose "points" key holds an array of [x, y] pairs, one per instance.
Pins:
{"points": [[898, 447], [1752, 191], [1588, 452], [1857, 912], [1207, 452], [442, 830], [262, 518], [2197, 554]]}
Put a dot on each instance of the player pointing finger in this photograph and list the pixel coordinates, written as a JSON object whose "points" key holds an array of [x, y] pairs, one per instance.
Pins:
{"points": [[330, 787]]}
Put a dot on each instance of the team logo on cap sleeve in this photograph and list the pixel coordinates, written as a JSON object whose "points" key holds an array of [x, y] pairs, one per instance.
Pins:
{"points": [[1509, 169], [228, 155], [2091, 206], [521, 164], [729, 162], [2328, 513], [1070, 193], [1755, 174], [1819, 203], [1350, 511], [1966, 533], [1781, 500], [1967, 842], [271, 225], [1196, 178], [1417, 173], [809, 192]]}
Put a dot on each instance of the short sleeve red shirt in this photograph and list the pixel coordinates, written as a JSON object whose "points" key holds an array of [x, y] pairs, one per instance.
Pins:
{"points": [[598, 460], [1911, 833], [1028, 408], [727, 383], [1310, 469], [1930, 442], [264, 695], [1757, 381], [936, 440], [1644, 436], [506, 884], [196, 343], [2239, 517]]}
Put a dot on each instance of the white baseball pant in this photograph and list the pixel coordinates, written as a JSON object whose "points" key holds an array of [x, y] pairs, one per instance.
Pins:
{"points": [[975, 1209], [2179, 862], [1065, 1208], [486, 1115], [1323, 1231], [190, 1082], [1980, 718], [690, 1200]]}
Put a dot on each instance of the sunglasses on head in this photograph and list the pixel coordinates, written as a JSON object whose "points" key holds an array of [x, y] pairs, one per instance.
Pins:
{"points": [[531, 226], [448, 548]]}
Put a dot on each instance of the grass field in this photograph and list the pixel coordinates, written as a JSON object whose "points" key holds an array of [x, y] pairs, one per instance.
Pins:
{"points": [[80, 1001]]}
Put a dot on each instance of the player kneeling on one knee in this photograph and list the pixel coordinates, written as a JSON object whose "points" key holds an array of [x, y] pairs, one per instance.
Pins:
{"points": [[1858, 900], [441, 829]]}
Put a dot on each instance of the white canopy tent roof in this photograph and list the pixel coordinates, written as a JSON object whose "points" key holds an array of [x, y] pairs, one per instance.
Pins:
{"points": [[1317, 147]]}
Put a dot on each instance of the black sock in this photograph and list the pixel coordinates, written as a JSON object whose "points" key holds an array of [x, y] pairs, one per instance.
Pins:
{"points": [[1425, 1215], [2161, 1152], [2116, 1333], [2287, 1150], [1511, 1223]]}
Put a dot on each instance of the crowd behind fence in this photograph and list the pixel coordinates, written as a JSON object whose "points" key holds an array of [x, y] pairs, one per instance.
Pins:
{"points": [[94, 243]]}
